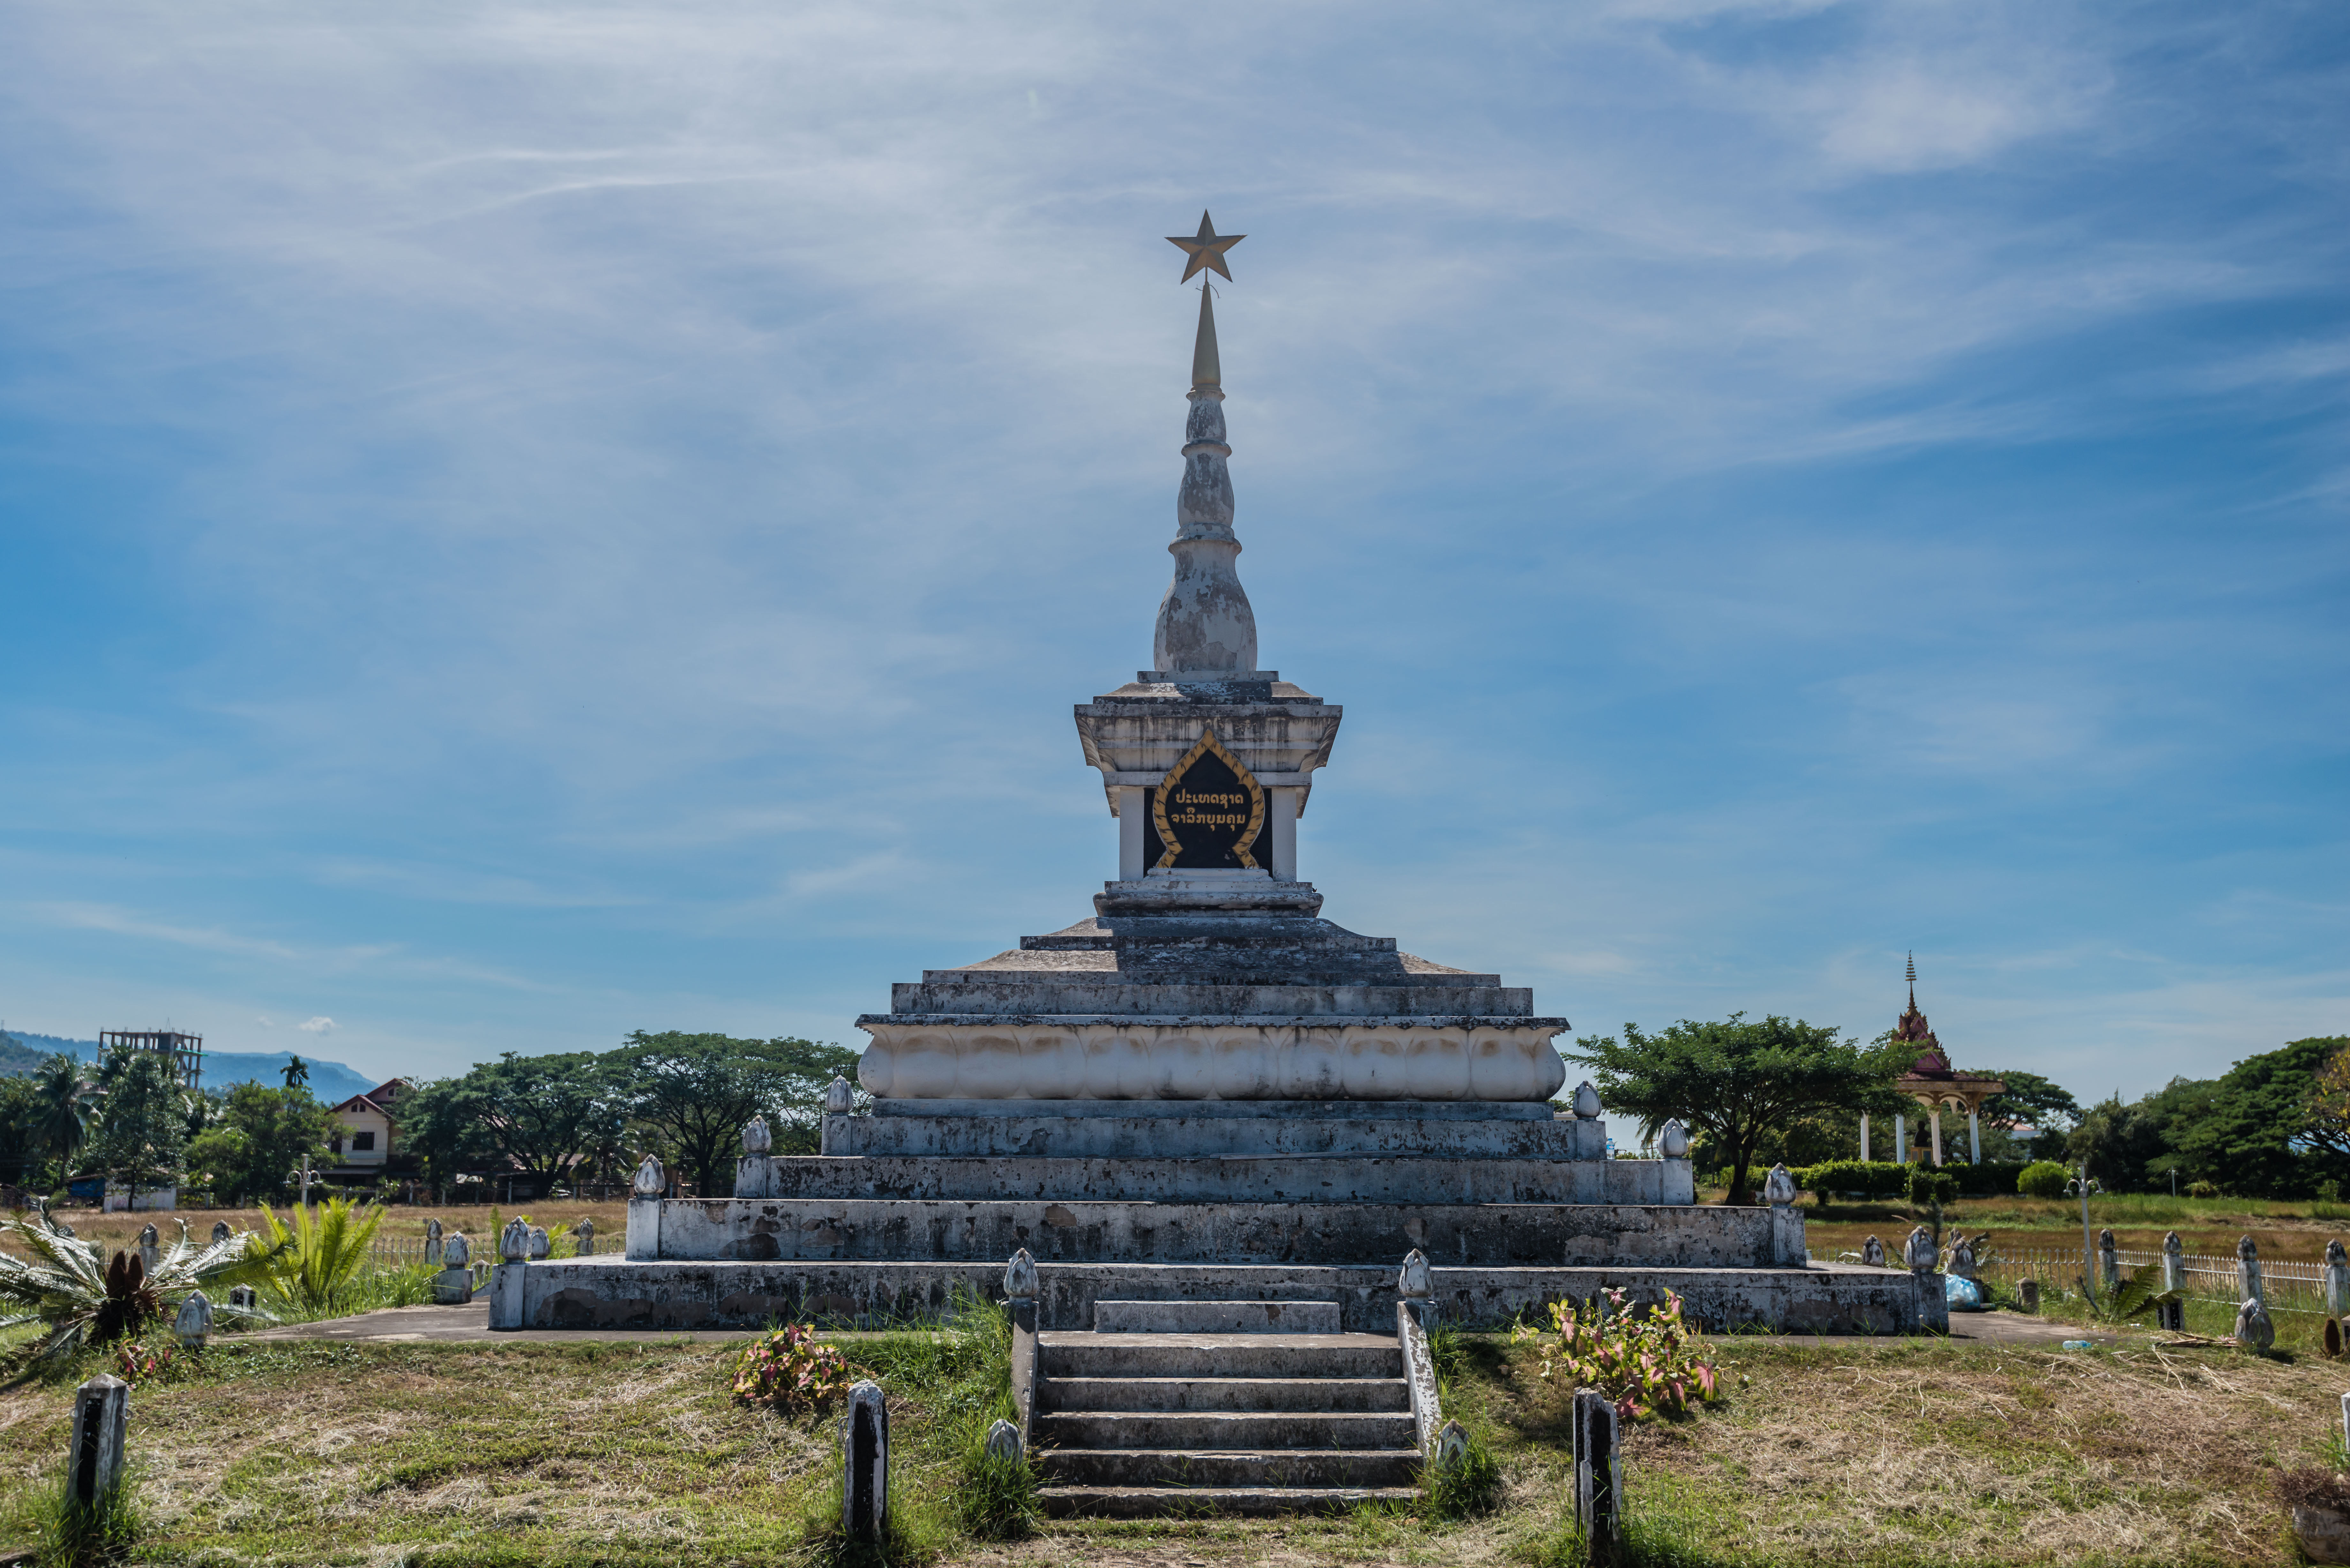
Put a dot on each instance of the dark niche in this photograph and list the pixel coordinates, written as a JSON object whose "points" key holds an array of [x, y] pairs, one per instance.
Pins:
{"points": [[1207, 814]]}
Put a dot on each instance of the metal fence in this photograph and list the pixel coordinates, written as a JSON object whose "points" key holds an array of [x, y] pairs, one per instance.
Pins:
{"points": [[2286, 1285]]}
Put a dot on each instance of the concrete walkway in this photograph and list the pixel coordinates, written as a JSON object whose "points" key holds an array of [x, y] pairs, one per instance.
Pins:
{"points": [[458, 1324]]}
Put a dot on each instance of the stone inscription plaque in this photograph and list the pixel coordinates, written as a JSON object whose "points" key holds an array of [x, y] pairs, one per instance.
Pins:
{"points": [[1207, 812]]}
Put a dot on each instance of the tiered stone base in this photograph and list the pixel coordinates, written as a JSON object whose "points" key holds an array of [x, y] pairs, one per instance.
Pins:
{"points": [[613, 1292]]}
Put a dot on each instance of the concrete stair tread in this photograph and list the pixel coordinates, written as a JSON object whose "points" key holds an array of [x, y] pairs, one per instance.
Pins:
{"points": [[1087, 1338], [1200, 1467], [1224, 1431], [1147, 1502], [1264, 1316], [1176, 1394]]}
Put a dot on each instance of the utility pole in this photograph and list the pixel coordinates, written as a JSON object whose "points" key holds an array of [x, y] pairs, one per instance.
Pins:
{"points": [[306, 1181], [2088, 1252]]}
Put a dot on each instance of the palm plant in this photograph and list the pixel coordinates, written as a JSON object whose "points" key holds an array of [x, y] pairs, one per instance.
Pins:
{"points": [[58, 1090], [314, 1259], [70, 1285]]}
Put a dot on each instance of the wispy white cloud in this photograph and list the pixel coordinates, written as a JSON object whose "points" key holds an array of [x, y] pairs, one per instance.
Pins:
{"points": [[638, 477]]}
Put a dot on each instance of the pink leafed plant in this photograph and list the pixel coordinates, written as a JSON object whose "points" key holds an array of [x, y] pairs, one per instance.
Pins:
{"points": [[1648, 1364]]}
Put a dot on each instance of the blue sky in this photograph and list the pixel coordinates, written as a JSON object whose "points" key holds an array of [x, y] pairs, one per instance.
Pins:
{"points": [[522, 522]]}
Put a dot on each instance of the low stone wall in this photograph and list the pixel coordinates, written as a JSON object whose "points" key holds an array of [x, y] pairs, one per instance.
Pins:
{"points": [[1504, 1235], [601, 1292]]}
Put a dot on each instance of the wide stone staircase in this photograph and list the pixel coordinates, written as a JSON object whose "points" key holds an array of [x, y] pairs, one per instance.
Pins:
{"points": [[1147, 1417]]}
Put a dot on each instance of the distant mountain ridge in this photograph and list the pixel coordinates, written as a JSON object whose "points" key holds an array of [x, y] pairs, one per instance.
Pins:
{"points": [[22, 1051]]}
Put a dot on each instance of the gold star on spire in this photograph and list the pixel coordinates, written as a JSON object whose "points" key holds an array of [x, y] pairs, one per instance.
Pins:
{"points": [[1206, 249]]}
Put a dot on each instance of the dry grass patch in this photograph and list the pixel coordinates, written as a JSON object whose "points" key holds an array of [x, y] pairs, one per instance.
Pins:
{"points": [[1937, 1453]]}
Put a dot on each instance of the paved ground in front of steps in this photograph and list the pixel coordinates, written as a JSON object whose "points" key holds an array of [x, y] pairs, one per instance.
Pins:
{"points": [[427, 1325]]}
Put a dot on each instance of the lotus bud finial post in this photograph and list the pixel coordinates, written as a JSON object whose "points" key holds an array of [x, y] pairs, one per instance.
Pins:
{"points": [[651, 1180], [1919, 1252]]}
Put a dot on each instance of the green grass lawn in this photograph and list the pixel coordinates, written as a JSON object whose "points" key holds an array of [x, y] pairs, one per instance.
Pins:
{"points": [[1894, 1453]]}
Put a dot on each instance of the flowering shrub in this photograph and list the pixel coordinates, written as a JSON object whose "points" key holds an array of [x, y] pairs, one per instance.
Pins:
{"points": [[787, 1366], [1647, 1365], [135, 1360]]}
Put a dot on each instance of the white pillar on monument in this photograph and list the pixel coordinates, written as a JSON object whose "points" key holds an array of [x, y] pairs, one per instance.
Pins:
{"points": [[1132, 828], [1935, 1117], [1974, 1136], [1284, 827], [1864, 1137], [1900, 1140]]}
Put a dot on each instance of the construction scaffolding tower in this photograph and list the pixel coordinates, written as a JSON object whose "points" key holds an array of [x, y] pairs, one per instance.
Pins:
{"points": [[187, 1051]]}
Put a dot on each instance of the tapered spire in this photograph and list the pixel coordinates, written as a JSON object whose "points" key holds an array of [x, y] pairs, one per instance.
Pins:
{"points": [[1205, 625], [1206, 371]]}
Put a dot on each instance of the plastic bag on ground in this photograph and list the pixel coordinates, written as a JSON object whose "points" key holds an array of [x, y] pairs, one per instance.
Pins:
{"points": [[1963, 1295]]}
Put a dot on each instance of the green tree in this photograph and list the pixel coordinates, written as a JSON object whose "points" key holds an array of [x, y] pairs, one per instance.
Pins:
{"points": [[692, 1092], [60, 1118], [2255, 1138], [1736, 1082], [2131, 1146], [20, 1149], [142, 1126], [257, 1141], [2031, 1100], [439, 1122], [533, 1115], [296, 1073]]}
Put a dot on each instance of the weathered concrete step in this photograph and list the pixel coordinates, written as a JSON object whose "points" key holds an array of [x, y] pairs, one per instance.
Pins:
{"points": [[1216, 1317], [1491, 1235], [1279, 1466], [1205, 1355], [1175, 1394], [617, 1292], [1183, 1502], [1224, 1430], [1179, 1176], [1267, 1129]]}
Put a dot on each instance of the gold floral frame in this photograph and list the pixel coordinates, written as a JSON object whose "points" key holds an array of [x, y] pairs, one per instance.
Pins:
{"points": [[1206, 744]]}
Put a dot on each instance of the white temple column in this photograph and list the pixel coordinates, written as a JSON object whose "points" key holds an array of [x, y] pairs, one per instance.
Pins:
{"points": [[1282, 828], [1900, 1140], [1130, 836], [1864, 1137], [1974, 1136], [1935, 1115]]}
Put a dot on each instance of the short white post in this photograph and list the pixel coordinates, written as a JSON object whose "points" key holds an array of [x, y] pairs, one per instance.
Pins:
{"points": [[101, 1412], [454, 1286], [195, 1323], [865, 1464], [1598, 1478], [2172, 1313]]}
